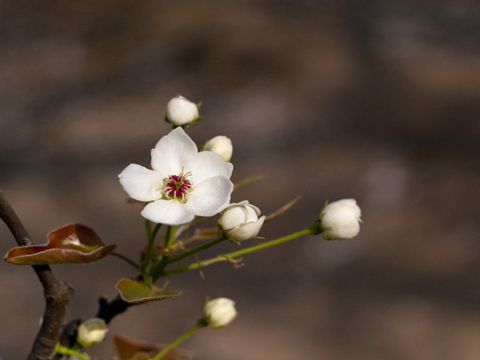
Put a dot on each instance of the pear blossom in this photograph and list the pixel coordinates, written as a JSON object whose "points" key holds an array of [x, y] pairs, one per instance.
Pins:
{"points": [[340, 220], [181, 111], [219, 312], [220, 145], [91, 332], [240, 221], [183, 182]]}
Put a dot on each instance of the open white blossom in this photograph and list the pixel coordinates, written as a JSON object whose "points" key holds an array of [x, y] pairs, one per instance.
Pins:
{"points": [[220, 145], [184, 183], [219, 312], [340, 220], [241, 221], [91, 332], [181, 111]]}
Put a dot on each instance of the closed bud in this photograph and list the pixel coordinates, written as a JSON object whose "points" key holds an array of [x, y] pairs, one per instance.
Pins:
{"points": [[219, 312], [181, 111], [241, 221], [220, 145], [340, 220], [91, 332]]}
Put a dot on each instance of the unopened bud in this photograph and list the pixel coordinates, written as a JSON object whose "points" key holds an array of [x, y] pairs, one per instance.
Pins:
{"points": [[220, 145], [219, 312], [181, 111], [240, 221], [340, 220], [91, 332]]}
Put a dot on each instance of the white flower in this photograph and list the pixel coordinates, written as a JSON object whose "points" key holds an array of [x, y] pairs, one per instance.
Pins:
{"points": [[92, 332], [184, 183], [240, 221], [220, 145], [340, 220], [181, 111], [219, 312]]}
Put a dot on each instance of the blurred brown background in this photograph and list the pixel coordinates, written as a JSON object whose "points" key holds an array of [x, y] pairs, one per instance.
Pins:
{"points": [[377, 100]]}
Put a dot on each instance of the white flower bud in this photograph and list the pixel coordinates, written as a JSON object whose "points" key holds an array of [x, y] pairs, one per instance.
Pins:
{"points": [[181, 111], [91, 332], [219, 312], [240, 221], [340, 220], [220, 145]]}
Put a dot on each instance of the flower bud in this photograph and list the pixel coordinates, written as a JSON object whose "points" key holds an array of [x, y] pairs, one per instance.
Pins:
{"points": [[219, 312], [220, 145], [91, 332], [340, 220], [240, 221], [181, 111]]}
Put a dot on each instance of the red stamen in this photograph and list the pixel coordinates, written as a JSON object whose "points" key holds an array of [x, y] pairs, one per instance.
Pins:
{"points": [[176, 187]]}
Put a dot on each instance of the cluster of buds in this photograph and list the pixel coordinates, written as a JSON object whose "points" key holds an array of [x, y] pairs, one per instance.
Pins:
{"points": [[185, 183]]}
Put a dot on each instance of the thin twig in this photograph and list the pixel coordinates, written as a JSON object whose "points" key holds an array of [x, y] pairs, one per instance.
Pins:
{"points": [[126, 259], [57, 293], [283, 209]]}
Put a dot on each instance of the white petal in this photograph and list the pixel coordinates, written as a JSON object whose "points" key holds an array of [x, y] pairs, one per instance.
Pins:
{"points": [[140, 183], [210, 196], [172, 152], [252, 212], [207, 164], [246, 231], [233, 216], [169, 212]]}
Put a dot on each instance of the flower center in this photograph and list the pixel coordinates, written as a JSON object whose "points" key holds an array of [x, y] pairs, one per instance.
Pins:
{"points": [[177, 187]]}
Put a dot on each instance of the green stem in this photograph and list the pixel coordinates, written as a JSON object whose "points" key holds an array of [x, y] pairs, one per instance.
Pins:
{"points": [[148, 228], [196, 250], [178, 341], [63, 350], [158, 267], [246, 251], [152, 234], [170, 236], [126, 259]]}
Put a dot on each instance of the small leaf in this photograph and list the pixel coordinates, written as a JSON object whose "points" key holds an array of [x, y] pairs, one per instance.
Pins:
{"points": [[280, 211], [128, 349], [134, 292], [73, 243]]}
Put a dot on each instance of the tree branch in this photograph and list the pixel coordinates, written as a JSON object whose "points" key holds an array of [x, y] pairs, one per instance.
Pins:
{"points": [[57, 293], [107, 310]]}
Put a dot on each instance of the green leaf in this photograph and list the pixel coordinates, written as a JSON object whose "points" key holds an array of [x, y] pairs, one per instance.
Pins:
{"points": [[128, 349], [135, 292], [73, 243]]}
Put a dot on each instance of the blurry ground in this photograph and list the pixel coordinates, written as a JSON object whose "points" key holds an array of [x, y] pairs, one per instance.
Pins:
{"points": [[377, 100]]}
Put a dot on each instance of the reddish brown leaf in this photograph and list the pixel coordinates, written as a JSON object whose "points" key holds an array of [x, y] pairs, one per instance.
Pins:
{"points": [[73, 243], [128, 349]]}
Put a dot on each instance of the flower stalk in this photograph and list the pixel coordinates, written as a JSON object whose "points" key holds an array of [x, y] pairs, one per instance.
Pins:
{"points": [[197, 249], [150, 253], [63, 350], [237, 254], [181, 339], [126, 259], [158, 267]]}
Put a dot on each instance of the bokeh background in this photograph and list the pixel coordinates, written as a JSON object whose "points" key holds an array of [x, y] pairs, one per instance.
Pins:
{"points": [[377, 100]]}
